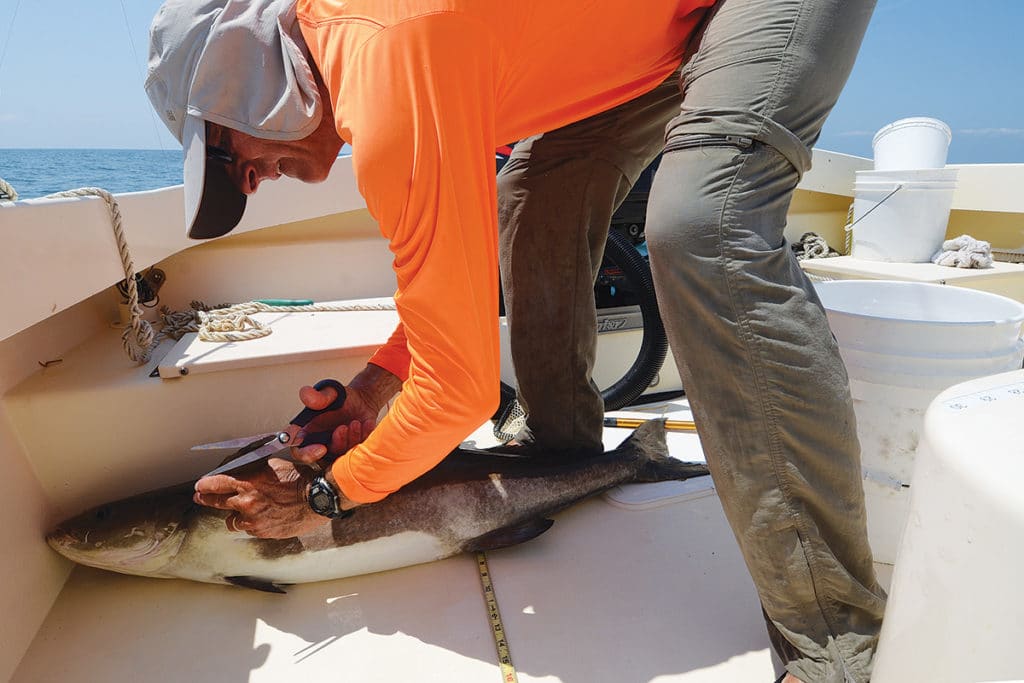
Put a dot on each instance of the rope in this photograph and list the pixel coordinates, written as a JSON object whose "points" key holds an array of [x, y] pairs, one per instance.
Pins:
{"points": [[231, 323], [225, 323], [176, 324], [7, 193], [812, 245], [138, 336], [848, 230]]}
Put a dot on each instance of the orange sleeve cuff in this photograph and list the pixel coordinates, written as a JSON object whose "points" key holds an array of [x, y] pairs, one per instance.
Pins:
{"points": [[350, 486], [394, 355]]}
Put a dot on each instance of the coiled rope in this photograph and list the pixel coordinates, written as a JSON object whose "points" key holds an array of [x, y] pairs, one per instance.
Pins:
{"points": [[232, 323], [811, 245]]}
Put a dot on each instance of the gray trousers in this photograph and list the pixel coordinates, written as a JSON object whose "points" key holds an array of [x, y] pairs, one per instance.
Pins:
{"points": [[751, 341]]}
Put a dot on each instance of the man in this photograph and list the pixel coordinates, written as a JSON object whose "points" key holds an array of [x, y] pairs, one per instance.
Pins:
{"points": [[425, 91]]}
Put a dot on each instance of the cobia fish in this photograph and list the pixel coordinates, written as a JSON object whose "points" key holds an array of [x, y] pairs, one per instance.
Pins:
{"points": [[472, 501]]}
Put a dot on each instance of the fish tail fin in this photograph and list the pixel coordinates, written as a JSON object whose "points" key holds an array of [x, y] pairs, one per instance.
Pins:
{"points": [[648, 445]]}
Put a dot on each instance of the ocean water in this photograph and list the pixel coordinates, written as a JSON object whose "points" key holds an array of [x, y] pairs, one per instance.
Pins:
{"points": [[39, 172]]}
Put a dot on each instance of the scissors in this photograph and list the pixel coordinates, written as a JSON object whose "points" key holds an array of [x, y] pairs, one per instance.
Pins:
{"points": [[259, 446]]}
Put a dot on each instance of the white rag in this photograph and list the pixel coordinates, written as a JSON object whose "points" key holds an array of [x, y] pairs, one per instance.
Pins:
{"points": [[964, 252]]}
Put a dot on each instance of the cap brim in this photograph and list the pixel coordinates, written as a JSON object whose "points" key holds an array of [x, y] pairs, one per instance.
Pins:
{"points": [[213, 205]]}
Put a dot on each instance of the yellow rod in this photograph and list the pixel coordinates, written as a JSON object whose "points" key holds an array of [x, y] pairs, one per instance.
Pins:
{"points": [[633, 423]]}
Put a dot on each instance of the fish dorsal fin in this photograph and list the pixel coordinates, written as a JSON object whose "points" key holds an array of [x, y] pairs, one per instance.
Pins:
{"points": [[255, 583], [514, 534]]}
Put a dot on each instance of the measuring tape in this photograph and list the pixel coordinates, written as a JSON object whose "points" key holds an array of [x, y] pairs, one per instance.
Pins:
{"points": [[508, 672]]}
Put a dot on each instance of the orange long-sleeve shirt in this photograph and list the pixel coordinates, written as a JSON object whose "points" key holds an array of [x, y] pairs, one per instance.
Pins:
{"points": [[425, 90]]}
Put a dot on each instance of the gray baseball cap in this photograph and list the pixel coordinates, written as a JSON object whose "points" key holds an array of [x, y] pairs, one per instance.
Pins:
{"points": [[242, 64]]}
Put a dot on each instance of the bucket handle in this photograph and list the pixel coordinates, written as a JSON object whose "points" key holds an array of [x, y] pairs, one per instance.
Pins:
{"points": [[849, 226]]}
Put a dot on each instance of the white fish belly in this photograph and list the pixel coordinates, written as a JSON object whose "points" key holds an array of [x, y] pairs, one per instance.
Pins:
{"points": [[234, 556]]}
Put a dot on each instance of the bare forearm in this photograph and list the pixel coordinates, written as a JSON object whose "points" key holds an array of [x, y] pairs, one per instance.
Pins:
{"points": [[376, 384]]}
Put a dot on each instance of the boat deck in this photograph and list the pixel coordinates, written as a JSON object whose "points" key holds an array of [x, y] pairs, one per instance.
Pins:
{"points": [[644, 583]]}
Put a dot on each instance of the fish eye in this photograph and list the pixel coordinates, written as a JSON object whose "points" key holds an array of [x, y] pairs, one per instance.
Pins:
{"points": [[103, 512]]}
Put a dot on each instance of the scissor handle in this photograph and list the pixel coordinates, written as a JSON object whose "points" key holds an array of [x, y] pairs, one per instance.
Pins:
{"points": [[307, 414], [321, 438]]}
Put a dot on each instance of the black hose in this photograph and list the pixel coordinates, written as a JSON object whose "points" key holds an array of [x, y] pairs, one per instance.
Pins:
{"points": [[654, 346]]}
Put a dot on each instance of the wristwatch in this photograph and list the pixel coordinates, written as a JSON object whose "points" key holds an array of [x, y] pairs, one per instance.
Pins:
{"points": [[323, 499]]}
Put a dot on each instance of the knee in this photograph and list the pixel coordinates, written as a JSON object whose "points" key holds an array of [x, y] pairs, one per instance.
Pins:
{"points": [[709, 199], [685, 208]]}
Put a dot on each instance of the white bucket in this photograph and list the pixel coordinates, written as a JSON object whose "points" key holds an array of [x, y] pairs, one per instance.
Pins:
{"points": [[912, 143], [920, 319], [954, 610], [923, 371], [903, 343], [900, 220]]}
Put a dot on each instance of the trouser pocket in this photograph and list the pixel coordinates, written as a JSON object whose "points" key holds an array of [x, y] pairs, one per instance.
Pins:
{"points": [[701, 140]]}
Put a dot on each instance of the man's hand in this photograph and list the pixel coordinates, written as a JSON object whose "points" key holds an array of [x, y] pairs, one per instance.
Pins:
{"points": [[271, 499], [350, 424], [267, 500]]}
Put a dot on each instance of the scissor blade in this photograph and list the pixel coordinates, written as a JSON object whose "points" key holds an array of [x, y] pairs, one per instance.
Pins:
{"points": [[265, 451], [240, 442]]}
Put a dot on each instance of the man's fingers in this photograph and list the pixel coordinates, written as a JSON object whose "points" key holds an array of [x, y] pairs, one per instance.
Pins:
{"points": [[309, 454], [355, 433], [219, 501], [346, 437], [222, 484], [317, 400], [223, 492], [340, 439]]}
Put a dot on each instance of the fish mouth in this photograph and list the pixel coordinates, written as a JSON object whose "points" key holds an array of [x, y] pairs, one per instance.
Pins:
{"points": [[65, 542], [146, 555]]}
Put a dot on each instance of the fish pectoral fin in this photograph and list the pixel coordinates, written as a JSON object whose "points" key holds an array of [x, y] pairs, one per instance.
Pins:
{"points": [[255, 583], [514, 534]]}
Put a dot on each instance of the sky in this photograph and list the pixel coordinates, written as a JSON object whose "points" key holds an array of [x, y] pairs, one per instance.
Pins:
{"points": [[71, 75]]}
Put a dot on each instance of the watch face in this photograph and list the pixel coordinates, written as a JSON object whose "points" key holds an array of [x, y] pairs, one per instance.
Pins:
{"points": [[321, 501], [322, 498]]}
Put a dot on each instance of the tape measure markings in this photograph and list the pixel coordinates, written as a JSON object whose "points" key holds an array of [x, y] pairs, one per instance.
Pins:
{"points": [[508, 671]]}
